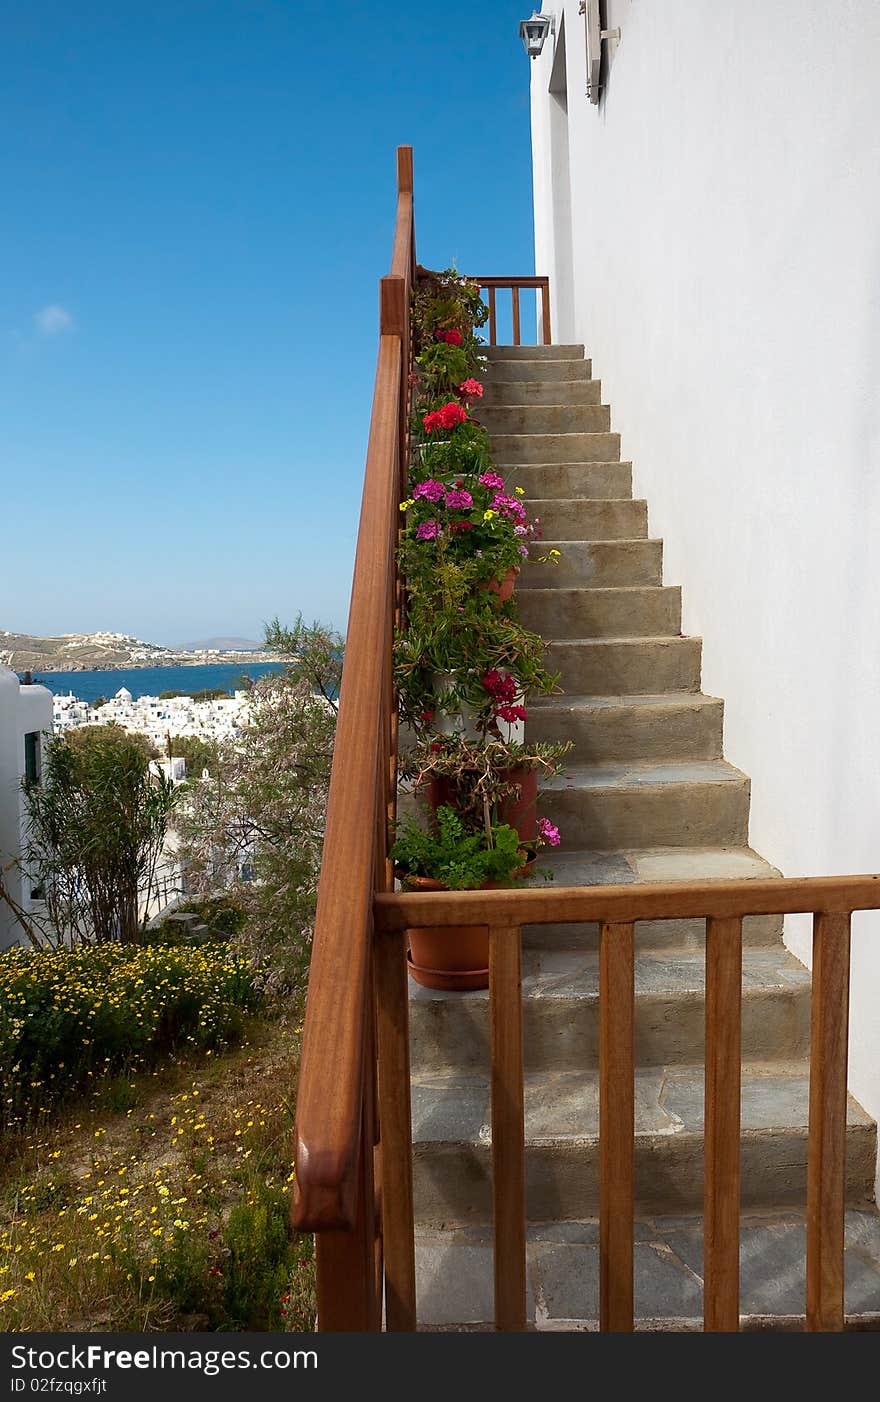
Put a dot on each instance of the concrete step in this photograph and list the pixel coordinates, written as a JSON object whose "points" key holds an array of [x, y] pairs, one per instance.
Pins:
{"points": [[669, 726], [561, 1012], [452, 1143], [652, 864], [525, 371], [598, 519], [594, 480], [692, 803], [599, 563], [498, 392], [542, 419], [510, 448], [495, 353], [626, 666], [579, 611], [454, 1273]]}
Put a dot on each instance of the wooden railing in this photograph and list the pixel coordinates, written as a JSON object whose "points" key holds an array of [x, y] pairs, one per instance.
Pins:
{"points": [[541, 285], [353, 1137], [338, 1189], [723, 904]]}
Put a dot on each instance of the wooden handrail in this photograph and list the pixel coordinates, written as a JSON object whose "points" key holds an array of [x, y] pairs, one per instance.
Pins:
{"points": [[669, 901], [334, 1084]]}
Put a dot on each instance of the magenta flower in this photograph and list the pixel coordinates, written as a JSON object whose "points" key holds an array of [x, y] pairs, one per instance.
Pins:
{"points": [[492, 480], [509, 507], [548, 832], [430, 490], [459, 500], [429, 530]]}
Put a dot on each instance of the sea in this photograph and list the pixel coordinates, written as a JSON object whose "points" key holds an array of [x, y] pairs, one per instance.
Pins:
{"points": [[149, 681]]}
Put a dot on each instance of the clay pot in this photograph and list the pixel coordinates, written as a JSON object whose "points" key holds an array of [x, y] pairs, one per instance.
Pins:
{"points": [[519, 810], [502, 587], [452, 958]]}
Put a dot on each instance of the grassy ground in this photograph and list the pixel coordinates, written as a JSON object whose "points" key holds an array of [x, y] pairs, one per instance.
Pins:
{"points": [[162, 1203]]}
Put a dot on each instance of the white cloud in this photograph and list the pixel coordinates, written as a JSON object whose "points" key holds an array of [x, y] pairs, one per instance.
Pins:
{"points": [[53, 320]]}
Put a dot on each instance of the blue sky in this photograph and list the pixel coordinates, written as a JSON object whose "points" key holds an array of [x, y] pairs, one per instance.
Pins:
{"points": [[198, 200]]}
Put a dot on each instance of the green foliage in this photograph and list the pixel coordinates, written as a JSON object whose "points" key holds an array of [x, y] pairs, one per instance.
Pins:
{"points": [[97, 820], [260, 1257], [477, 772], [207, 694], [69, 1016], [461, 859], [199, 754], [255, 830]]}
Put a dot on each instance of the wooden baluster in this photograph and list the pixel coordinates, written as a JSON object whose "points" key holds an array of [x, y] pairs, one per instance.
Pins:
{"points": [[722, 1124], [826, 1160], [493, 324], [616, 1126], [394, 1113], [514, 294], [508, 1126], [545, 311], [346, 1265]]}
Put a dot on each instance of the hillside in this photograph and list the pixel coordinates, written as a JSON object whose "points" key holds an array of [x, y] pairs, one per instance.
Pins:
{"points": [[80, 652]]}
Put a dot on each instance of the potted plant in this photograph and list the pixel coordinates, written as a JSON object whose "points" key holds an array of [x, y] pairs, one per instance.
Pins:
{"points": [[448, 855]]}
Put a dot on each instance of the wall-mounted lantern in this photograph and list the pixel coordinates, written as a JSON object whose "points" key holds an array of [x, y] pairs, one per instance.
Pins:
{"points": [[534, 31]]}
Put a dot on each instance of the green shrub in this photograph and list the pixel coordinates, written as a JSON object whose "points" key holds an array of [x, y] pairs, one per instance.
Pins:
{"points": [[69, 1016]]}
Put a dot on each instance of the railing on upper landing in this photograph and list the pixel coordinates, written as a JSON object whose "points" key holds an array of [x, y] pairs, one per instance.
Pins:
{"points": [[353, 1137]]}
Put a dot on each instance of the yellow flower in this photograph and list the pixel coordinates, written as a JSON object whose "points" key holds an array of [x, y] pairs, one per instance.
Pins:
{"points": [[488, 515], [31, 1275], [520, 491], [405, 505]]}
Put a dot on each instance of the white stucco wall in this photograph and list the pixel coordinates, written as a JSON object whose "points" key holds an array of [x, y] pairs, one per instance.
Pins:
{"points": [[726, 279], [23, 709]]}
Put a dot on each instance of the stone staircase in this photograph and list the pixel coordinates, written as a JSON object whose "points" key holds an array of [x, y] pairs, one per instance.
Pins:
{"points": [[646, 796]]}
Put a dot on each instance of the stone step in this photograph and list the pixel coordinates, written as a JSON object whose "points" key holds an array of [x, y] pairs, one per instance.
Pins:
{"points": [[543, 419], [510, 448], [626, 666], [524, 371], [599, 519], [455, 1273], [496, 353], [594, 611], [560, 992], [593, 480], [652, 864], [692, 803], [576, 391], [452, 1143], [599, 563], [669, 726]]}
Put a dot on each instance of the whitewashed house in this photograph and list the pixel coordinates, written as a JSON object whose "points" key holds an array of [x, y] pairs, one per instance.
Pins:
{"points": [[25, 721], [707, 206]]}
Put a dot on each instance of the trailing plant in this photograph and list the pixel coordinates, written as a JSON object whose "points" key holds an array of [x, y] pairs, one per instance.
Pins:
{"points": [[480, 775]]}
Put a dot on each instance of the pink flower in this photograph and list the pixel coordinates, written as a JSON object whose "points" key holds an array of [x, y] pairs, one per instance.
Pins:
{"points": [[503, 688], [492, 480], [459, 500], [452, 338], [430, 490], [472, 389], [548, 832], [509, 507], [520, 530], [429, 530], [524, 551]]}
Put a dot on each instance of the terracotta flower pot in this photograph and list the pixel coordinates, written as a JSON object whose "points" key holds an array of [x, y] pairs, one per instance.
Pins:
{"points": [[519, 810], [502, 587], [452, 958]]}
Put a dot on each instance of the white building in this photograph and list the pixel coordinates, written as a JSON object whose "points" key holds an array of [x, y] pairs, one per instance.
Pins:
{"points": [[25, 720], [711, 228]]}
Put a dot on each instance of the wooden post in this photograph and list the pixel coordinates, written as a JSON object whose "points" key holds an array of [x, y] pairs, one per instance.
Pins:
{"points": [[493, 324], [545, 311], [396, 1132], [722, 1124], [508, 1126], [616, 1125], [826, 1161], [514, 294]]}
